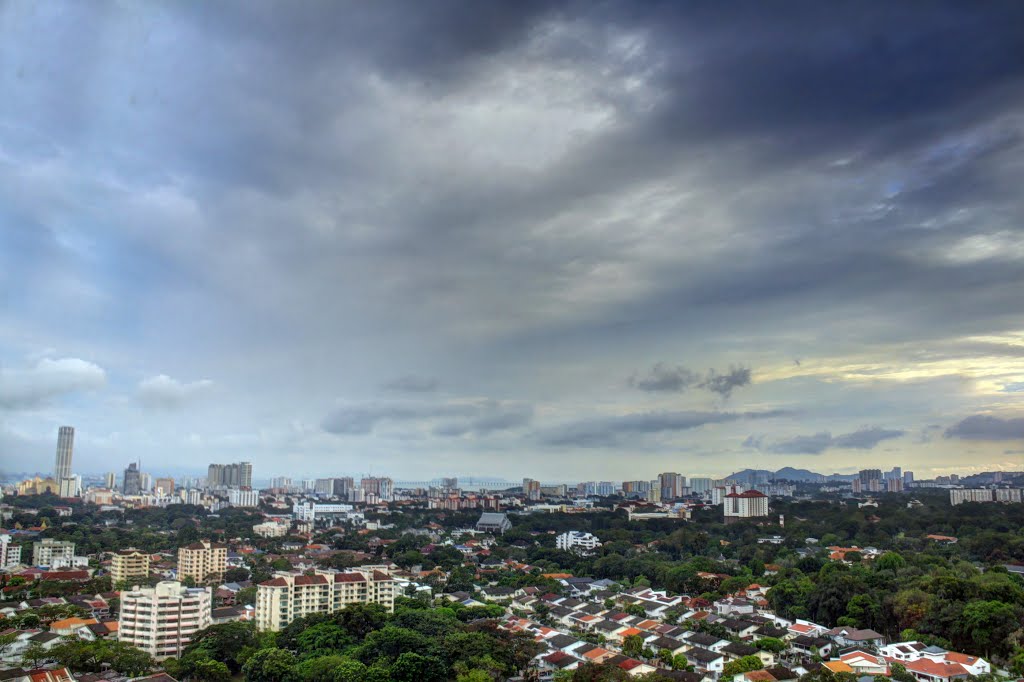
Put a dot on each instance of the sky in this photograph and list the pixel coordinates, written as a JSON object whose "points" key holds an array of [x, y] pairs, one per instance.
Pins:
{"points": [[558, 240]]}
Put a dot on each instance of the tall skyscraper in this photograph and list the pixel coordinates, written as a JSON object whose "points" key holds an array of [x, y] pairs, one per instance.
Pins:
{"points": [[65, 445], [132, 484]]}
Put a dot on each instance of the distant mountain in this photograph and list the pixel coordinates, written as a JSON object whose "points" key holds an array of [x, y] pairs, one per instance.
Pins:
{"points": [[789, 474]]}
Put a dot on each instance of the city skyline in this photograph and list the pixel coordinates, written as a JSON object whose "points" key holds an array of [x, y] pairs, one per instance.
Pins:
{"points": [[528, 239]]}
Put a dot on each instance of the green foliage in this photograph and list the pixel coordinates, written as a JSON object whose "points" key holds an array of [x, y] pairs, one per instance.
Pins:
{"points": [[223, 643], [771, 644], [80, 655], [269, 665], [413, 667], [742, 665]]}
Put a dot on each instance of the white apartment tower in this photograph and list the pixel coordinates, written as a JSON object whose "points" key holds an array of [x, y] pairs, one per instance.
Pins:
{"points": [[287, 596], [746, 505], [161, 620], [10, 553]]}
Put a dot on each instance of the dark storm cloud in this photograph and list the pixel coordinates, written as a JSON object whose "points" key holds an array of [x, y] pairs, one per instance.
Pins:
{"points": [[723, 384], [663, 377], [412, 383], [479, 417], [496, 186], [607, 431], [985, 427], [815, 444]]}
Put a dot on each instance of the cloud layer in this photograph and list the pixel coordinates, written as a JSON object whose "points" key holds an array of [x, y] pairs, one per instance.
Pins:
{"points": [[454, 227]]}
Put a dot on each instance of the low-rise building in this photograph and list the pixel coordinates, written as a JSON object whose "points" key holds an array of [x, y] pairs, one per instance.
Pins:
{"points": [[577, 540], [271, 529], [45, 551]]}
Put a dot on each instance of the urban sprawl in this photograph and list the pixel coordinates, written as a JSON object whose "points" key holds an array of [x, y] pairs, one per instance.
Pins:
{"points": [[755, 577]]}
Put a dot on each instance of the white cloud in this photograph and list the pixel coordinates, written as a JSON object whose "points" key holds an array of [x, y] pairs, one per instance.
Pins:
{"points": [[164, 393], [47, 380]]}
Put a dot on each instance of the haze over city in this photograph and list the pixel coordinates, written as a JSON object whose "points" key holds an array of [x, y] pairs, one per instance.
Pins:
{"points": [[557, 240]]}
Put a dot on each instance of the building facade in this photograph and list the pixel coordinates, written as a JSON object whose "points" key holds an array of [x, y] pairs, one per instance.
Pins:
{"points": [[129, 564], [577, 540], [750, 504], [132, 482], [286, 597], [161, 620], [10, 552], [65, 447], [202, 561], [270, 529], [45, 551]]}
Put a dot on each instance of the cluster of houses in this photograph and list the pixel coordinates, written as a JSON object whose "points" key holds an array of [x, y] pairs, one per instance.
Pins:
{"points": [[591, 622]]}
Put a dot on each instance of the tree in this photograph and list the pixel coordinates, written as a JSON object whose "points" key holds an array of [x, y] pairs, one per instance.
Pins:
{"points": [[632, 645], [475, 676], [413, 667], [989, 624], [35, 655], [742, 665], [269, 665], [128, 660], [899, 673], [224, 642], [772, 644]]}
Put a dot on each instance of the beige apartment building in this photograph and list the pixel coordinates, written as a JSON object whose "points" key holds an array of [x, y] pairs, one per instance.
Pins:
{"points": [[287, 596], [128, 565], [161, 620], [202, 561]]}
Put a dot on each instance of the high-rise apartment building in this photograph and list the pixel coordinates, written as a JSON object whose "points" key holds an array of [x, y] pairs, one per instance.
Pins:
{"points": [[867, 475], [324, 486], [164, 486], [110, 480], [238, 475], [48, 550], [908, 478], [746, 505], [894, 485], [202, 561], [243, 498], [10, 552], [162, 620], [343, 487], [132, 483], [451, 483], [671, 485], [287, 596], [129, 564], [701, 486], [65, 446], [531, 489], [382, 488]]}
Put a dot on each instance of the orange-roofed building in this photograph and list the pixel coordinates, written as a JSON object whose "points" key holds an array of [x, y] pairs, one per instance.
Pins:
{"points": [[838, 666]]}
